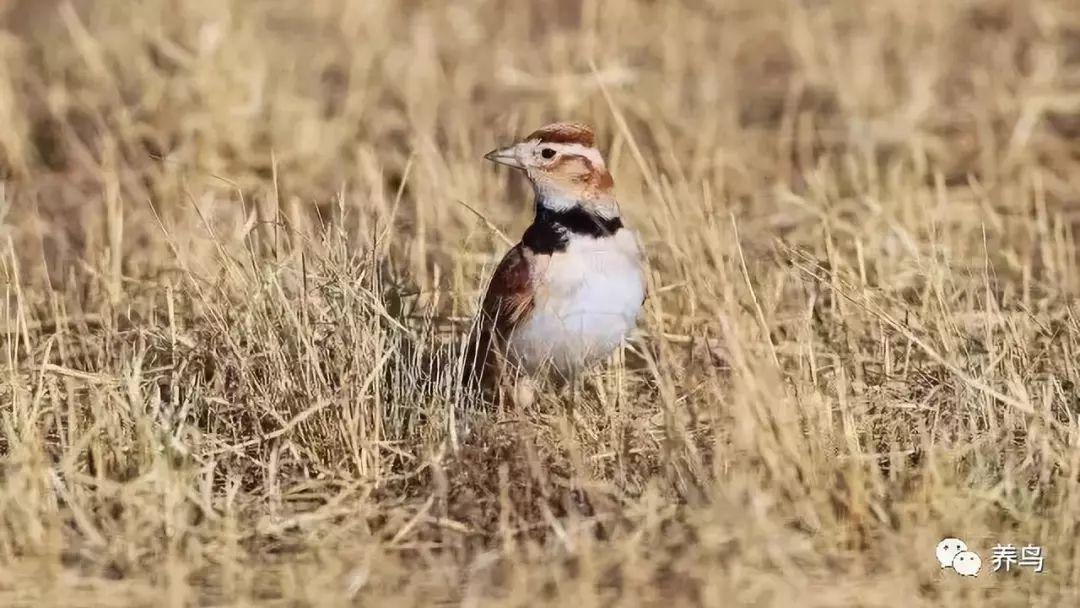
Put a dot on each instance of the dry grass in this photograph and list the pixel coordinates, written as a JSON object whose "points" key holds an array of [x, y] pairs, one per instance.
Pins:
{"points": [[239, 259]]}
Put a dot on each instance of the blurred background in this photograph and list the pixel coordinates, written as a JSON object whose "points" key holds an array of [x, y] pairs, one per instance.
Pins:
{"points": [[332, 95], [242, 240]]}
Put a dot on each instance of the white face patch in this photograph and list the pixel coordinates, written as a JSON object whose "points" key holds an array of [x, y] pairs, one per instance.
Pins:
{"points": [[558, 202]]}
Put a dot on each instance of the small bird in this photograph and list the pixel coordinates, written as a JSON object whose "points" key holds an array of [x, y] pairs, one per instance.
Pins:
{"points": [[568, 294]]}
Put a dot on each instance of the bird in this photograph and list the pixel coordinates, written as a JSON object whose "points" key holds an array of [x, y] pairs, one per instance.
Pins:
{"points": [[572, 289]]}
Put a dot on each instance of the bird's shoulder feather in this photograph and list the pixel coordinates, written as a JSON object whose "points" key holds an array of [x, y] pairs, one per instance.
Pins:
{"points": [[510, 293]]}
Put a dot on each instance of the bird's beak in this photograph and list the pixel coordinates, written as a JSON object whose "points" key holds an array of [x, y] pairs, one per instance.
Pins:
{"points": [[505, 156]]}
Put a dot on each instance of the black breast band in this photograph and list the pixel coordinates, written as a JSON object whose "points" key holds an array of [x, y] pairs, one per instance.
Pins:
{"points": [[551, 230]]}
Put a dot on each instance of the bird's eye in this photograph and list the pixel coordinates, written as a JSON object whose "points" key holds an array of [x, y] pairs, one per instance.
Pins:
{"points": [[547, 153]]}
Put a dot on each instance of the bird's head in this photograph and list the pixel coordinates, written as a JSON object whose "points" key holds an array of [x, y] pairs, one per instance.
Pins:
{"points": [[564, 166]]}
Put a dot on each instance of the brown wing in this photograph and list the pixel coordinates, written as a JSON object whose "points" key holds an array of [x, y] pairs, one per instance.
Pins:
{"points": [[509, 299], [509, 296]]}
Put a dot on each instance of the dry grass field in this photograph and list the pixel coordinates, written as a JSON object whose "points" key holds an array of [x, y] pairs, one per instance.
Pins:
{"points": [[241, 242]]}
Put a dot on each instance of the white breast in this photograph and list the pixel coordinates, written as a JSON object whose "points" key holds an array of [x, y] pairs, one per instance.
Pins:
{"points": [[588, 298]]}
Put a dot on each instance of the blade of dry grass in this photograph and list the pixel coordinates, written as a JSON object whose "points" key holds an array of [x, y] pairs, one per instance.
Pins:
{"points": [[236, 279]]}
